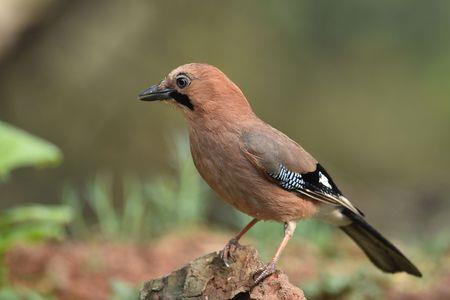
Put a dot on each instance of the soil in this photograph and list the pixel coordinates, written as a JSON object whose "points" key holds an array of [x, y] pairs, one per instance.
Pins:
{"points": [[84, 270]]}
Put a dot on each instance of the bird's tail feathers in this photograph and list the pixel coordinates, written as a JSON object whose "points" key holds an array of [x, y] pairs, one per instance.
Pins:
{"points": [[378, 249]]}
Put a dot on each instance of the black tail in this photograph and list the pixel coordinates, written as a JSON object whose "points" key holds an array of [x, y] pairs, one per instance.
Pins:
{"points": [[380, 251]]}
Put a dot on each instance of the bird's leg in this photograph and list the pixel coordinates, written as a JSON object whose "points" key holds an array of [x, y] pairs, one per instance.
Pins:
{"points": [[261, 274], [234, 242]]}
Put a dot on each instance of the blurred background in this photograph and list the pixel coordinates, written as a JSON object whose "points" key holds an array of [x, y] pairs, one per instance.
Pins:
{"points": [[97, 189]]}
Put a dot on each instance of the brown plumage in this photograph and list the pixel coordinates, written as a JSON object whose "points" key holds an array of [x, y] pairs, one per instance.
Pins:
{"points": [[259, 170]]}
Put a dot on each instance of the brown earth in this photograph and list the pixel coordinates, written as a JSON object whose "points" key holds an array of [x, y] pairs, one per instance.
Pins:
{"points": [[84, 270]]}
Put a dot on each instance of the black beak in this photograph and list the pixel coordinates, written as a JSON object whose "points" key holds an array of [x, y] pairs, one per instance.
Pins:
{"points": [[155, 92]]}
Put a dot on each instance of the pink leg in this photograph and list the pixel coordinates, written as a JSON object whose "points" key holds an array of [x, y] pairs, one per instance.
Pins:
{"points": [[289, 228], [234, 242]]}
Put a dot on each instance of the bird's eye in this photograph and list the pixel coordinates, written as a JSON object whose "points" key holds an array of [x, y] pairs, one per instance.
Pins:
{"points": [[182, 82]]}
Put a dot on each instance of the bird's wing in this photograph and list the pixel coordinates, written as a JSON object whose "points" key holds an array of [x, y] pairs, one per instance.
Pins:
{"points": [[288, 165]]}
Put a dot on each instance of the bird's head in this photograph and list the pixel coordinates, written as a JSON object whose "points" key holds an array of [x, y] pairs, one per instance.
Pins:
{"points": [[199, 90]]}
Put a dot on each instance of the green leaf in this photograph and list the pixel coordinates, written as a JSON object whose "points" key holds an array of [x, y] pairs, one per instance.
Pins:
{"points": [[100, 196], [9, 293], [122, 290], [78, 225], [50, 214], [134, 210], [33, 223], [19, 149], [29, 233], [22, 293]]}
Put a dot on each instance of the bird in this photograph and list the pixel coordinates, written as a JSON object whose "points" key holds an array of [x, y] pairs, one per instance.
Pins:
{"points": [[261, 171]]}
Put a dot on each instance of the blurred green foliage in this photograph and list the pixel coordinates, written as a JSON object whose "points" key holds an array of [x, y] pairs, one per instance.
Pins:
{"points": [[19, 148], [149, 208], [265, 233], [358, 286], [22, 293], [123, 291], [361, 85], [33, 222]]}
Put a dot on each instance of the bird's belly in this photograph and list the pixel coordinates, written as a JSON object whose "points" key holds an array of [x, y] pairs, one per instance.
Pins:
{"points": [[239, 184], [229, 183]]}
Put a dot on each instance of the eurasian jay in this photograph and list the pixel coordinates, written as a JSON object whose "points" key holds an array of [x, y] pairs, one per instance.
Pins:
{"points": [[259, 170]]}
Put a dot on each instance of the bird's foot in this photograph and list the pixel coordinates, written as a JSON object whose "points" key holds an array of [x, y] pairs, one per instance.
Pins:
{"points": [[264, 272], [231, 246]]}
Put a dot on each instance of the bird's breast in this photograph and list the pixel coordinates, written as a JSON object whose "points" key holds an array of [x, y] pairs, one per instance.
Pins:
{"points": [[219, 161]]}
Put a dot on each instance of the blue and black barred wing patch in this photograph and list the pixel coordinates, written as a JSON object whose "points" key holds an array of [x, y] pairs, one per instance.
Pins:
{"points": [[316, 185]]}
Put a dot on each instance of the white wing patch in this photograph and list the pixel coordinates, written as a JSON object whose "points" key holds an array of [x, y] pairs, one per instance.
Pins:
{"points": [[316, 185], [324, 180]]}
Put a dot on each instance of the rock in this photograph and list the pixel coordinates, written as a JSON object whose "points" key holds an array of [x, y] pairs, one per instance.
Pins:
{"points": [[207, 277]]}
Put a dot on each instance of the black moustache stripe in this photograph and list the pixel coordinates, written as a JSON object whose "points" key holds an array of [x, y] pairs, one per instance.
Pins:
{"points": [[182, 99]]}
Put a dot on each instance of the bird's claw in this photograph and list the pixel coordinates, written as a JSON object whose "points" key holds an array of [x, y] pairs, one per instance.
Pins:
{"points": [[231, 246], [264, 272]]}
